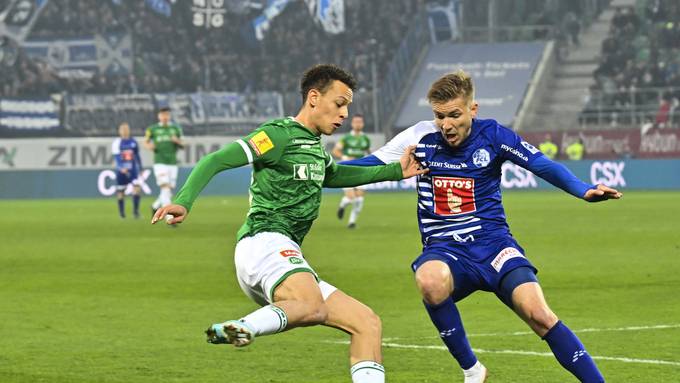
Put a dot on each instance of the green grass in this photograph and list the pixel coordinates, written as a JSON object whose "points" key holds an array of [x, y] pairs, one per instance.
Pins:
{"points": [[87, 297]]}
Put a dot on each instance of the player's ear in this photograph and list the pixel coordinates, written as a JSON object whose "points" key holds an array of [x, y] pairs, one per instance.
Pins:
{"points": [[313, 97], [474, 107]]}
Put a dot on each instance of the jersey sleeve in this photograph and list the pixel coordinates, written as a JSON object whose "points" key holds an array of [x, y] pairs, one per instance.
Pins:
{"points": [[148, 135], [339, 176], [115, 150], [230, 156], [264, 145], [138, 158], [513, 148], [178, 129], [395, 148]]}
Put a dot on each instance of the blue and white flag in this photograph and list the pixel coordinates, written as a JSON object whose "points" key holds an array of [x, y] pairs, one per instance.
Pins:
{"points": [[262, 23], [34, 114], [160, 6], [329, 13]]}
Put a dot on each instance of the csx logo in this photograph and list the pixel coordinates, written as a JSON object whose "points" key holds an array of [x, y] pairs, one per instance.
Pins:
{"points": [[515, 176], [7, 156], [453, 183], [608, 173]]}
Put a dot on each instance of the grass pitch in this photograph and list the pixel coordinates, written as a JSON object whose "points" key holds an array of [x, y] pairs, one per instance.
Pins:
{"points": [[87, 297]]}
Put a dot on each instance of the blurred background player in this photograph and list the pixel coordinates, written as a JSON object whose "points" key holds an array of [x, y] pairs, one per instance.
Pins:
{"points": [[128, 166], [351, 146], [164, 139]]}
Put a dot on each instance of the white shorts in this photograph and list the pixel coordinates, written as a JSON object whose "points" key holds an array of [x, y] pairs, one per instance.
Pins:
{"points": [[165, 174], [265, 260], [360, 187]]}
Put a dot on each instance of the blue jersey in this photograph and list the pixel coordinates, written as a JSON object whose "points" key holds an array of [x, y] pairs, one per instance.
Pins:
{"points": [[459, 200], [126, 154]]}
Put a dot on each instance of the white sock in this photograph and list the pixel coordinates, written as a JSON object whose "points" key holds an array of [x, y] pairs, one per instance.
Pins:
{"points": [[358, 204], [266, 320], [368, 371], [157, 203], [344, 202], [475, 372], [166, 196]]}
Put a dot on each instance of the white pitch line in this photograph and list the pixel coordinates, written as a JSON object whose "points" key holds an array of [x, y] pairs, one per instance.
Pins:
{"points": [[629, 328], [522, 352]]}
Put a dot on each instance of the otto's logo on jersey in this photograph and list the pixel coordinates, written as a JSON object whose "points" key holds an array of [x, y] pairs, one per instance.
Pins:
{"points": [[261, 143], [453, 196], [481, 158]]}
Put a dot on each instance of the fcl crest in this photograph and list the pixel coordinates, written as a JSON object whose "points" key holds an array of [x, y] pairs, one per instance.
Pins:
{"points": [[481, 158]]}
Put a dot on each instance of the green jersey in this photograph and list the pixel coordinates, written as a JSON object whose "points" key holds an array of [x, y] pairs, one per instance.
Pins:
{"points": [[355, 145], [161, 136], [290, 168]]}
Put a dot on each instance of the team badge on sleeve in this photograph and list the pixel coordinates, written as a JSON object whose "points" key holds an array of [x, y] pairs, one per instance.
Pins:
{"points": [[261, 143]]}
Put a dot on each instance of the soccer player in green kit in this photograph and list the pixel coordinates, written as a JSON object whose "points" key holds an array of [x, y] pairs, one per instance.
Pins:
{"points": [[290, 168], [164, 139], [353, 145]]}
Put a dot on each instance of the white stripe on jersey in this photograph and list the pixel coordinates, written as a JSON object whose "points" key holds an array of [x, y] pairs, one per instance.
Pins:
{"points": [[425, 194], [249, 155], [463, 219], [458, 232], [424, 185], [426, 203], [430, 228]]}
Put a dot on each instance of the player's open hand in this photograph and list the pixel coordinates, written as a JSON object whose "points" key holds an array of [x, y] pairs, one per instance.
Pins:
{"points": [[601, 193], [410, 166], [176, 214]]}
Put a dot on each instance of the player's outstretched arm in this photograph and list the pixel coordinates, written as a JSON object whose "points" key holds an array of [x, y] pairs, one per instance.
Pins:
{"points": [[229, 157], [338, 176], [601, 193]]}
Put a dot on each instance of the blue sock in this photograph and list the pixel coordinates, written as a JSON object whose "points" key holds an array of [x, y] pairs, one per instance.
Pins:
{"points": [[121, 207], [446, 318], [135, 204], [571, 354]]}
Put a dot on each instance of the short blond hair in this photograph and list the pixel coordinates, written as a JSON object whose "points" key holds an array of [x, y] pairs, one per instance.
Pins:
{"points": [[451, 86]]}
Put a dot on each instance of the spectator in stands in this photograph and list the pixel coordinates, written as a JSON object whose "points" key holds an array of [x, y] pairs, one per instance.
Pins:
{"points": [[548, 147], [575, 150]]}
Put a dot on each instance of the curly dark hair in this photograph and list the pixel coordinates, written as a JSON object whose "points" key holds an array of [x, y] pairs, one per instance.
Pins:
{"points": [[321, 76]]}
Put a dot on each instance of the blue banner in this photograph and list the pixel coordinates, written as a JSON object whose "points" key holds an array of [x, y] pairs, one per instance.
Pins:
{"points": [[623, 175], [500, 73]]}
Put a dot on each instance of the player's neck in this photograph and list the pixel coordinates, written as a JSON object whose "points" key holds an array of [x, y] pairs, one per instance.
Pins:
{"points": [[303, 118]]}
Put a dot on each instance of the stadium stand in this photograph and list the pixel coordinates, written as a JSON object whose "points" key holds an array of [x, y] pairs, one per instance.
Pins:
{"points": [[638, 76]]}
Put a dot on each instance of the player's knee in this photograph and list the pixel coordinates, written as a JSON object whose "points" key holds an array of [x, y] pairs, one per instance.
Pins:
{"points": [[434, 288], [317, 313], [370, 324]]}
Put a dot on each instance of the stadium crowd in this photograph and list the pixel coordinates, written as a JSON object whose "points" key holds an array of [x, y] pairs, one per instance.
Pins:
{"points": [[170, 54], [639, 67]]}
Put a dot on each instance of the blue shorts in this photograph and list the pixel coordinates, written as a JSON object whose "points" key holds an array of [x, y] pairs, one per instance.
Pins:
{"points": [[123, 180], [481, 265]]}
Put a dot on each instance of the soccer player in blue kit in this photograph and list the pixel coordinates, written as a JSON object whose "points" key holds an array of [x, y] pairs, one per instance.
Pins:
{"points": [[125, 151], [467, 244]]}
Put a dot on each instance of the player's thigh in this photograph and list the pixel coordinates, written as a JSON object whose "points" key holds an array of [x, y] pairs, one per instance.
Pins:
{"points": [[266, 261], [172, 175], [359, 191], [161, 173], [301, 286], [349, 192], [348, 314]]}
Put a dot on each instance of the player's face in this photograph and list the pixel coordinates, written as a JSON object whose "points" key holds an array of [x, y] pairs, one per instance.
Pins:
{"points": [[124, 131], [454, 119], [164, 117], [357, 124], [330, 109]]}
